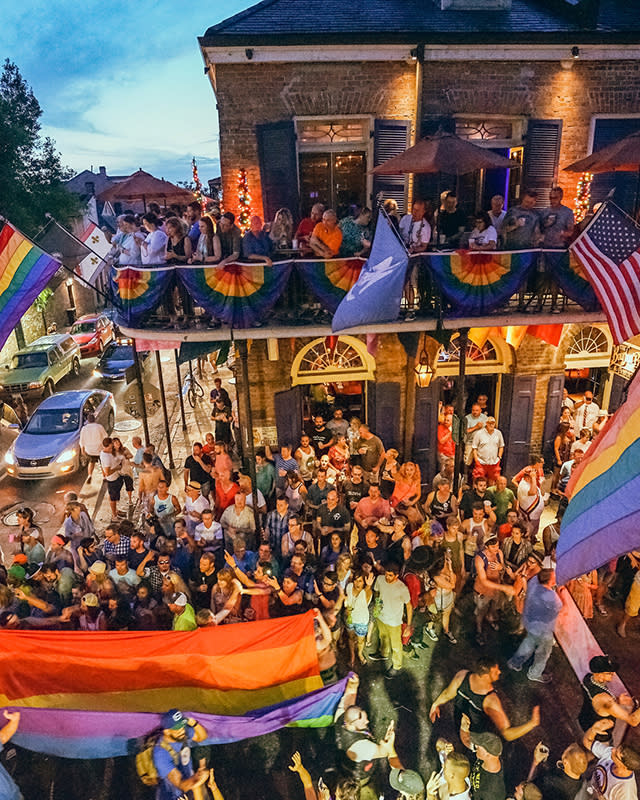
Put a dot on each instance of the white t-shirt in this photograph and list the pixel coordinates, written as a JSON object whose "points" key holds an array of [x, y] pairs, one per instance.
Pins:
{"points": [[198, 505], [210, 535], [415, 232], [394, 597], [483, 237], [584, 446], [91, 437], [358, 605], [497, 221], [261, 500], [110, 461], [155, 250], [604, 779], [488, 445], [471, 423]]}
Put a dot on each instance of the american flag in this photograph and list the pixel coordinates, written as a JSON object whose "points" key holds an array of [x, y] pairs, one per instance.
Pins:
{"points": [[609, 250]]}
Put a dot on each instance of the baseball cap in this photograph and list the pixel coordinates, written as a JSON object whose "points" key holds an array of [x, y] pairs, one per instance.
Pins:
{"points": [[406, 781], [179, 599], [90, 600], [488, 741], [173, 720], [98, 568], [603, 664]]}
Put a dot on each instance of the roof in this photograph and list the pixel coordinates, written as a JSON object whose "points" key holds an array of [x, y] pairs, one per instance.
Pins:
{"points": [[50, 340], [71, 399], [359, 21]]}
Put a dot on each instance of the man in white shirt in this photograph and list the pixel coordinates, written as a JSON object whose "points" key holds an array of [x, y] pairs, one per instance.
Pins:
{"points": [[194, 504], [208, 533], [91, 437], [487, 450], [497, 212], [613, 776], [239, 518], [474, 422], [395, 600], [416, 234], [585, 413]]}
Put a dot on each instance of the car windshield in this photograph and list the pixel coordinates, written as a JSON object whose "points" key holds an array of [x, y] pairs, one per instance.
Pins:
{"points": [[83, 327], [26, 360], [54, 420], [121, 352]]}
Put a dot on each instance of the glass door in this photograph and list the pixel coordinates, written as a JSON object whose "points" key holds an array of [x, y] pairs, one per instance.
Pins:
{"points": [[338, 180]]}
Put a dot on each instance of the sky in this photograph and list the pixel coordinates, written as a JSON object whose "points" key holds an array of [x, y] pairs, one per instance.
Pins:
{"points": [[121, 84]]}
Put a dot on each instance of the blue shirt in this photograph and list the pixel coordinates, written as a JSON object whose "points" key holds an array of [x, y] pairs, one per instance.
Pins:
{"points": [[165, 763], [194, 235], [541, 609], [8, 789], [260, 245], [248, 562]]}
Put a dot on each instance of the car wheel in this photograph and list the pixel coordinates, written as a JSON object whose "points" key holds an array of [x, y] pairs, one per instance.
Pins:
{"points": [[49, 389], [110, 421], [75, 366]]}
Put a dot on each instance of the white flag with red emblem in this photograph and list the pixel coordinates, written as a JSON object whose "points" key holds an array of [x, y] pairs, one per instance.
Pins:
{"points": [[95, 239]]}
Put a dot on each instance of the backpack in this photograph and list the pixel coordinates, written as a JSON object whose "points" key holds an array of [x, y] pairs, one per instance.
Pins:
{"points": [[145, 766]]}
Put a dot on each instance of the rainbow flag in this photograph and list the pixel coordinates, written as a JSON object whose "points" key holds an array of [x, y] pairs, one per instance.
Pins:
{"points": [[92, 734], [227, 670], [25, 270], [480, 282], [330, 280], [602, 520], [237, 294]]}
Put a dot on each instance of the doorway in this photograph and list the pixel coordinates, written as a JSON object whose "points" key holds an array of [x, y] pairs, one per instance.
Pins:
{"points": [[336, 179]]}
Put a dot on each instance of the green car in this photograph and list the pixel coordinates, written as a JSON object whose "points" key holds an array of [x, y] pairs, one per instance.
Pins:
{"points": [[36, 370]]}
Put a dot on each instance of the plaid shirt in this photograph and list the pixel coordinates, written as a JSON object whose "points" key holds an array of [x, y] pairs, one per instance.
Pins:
{"points": [[112, 550], [275, 528]]}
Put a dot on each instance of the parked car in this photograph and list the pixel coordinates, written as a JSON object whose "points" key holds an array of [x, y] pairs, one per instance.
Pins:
{"points": [[49, 446], [92, 333], [36, 370], [116, 360]]}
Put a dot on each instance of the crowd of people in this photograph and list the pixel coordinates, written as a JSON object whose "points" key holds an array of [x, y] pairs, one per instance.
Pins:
{"points": [[338, 523]]}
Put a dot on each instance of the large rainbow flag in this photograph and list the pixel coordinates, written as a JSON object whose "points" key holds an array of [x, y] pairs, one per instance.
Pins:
{"points": [[25, 270], [86, 694], [602, 520]]}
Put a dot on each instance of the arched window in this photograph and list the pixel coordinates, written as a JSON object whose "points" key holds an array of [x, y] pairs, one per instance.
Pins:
{"points": [[330, 359], [590, 347], [493, 357], [474, 353]]}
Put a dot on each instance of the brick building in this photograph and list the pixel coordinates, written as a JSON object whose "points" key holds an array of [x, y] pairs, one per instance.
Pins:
{"points": [[309, 101]]}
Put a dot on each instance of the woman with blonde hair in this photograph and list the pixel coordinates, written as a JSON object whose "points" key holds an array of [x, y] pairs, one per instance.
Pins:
{"points": [[172, 583], [406, 493], [281, 230]]}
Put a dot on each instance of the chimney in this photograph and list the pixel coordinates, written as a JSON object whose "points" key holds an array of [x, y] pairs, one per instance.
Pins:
{"points": [[103, 171], [474, 5]]}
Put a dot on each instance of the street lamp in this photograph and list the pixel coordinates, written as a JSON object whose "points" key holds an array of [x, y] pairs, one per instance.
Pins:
{"points": [[423, 371]]}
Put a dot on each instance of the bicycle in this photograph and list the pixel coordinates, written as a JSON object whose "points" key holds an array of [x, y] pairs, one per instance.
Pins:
{"points": [[191, 388]]}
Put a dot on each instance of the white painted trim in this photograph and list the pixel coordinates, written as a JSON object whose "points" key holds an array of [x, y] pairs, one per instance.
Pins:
{"points": [[436, 52]]}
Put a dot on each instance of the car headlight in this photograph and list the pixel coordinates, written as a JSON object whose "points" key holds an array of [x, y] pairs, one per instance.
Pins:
{"points": [[96, 373], [35, 385], [67, 455], [9, 458]]}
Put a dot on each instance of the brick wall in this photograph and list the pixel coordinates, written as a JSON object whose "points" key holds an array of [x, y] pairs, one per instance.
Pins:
{"points": [[250, 94]]}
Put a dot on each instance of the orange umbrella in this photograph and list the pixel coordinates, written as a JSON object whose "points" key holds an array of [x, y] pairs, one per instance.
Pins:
{"points": [[144, 186], [621, 156], [443, 152]]}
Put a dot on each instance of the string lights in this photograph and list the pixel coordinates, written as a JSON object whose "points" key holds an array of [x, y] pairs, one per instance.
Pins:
{"points": [[244, 201], [582, 199], [198, 184]]}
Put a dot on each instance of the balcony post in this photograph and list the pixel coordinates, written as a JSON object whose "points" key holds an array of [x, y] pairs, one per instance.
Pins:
{"points": [[459, 407]]}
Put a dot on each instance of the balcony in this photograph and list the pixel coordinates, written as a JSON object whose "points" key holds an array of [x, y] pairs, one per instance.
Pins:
{"points": [[298, 297]]}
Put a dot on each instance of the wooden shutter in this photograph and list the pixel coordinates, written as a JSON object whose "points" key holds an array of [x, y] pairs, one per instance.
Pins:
{"points": [[425, 431], [288, 408], [278, 167], [386, 414], [623, 184], [618, 385], [552, 415], [516, 416], [391, 137], [541, 154]]}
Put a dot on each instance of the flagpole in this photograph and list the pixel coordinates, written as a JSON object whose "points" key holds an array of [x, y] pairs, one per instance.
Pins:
{"points": [[73, 236]]}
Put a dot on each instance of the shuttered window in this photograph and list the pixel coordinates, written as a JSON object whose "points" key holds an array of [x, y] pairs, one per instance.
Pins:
{"points": [[541, 154], [623, 184], [391, 137], [278, 167]]}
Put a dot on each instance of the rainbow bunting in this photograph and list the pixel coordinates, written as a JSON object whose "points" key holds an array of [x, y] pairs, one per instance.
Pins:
{"points": [[92, 734], [565, 268], [479, 283], [602, 520], [237, 294], [25, 270], [330, 280], [139, 291], [228, 670]]}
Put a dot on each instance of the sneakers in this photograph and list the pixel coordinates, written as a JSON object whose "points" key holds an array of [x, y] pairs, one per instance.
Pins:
{"points": [[540, 679], [431, 633], [451, 637], [410, 316], [514, 667], [392, 673], [376, 657]]}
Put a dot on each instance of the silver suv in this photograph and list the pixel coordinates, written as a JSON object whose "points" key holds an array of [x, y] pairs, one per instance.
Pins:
{"points": [[36, 370]]}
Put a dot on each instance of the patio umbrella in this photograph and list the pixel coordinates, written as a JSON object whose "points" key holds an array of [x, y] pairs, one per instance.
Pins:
{"points": [[143, 186], [621, 156], [443, 152]]}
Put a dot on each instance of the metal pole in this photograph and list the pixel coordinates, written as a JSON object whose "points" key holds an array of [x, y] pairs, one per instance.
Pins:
{"points": [[163, 400], [143, 405], [250, 451], [181, 398], [459, 406]]}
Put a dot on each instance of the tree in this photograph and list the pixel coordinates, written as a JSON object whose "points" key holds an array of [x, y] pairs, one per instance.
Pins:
{"points": [[31, 173], [41, 303]]}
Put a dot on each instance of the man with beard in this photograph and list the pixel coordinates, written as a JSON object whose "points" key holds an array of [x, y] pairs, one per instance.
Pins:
{"points": [[172, 756]]}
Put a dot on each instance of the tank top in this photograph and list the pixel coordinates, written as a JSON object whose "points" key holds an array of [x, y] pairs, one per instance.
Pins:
{"points": [[307, 464], [176, 249], [588, 715], [346, 739], [471, 703], [441, 509]]}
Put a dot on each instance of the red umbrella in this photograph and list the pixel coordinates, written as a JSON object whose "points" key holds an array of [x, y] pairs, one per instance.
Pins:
{"points": [[443, 152], [621, 156], [143, 186]]}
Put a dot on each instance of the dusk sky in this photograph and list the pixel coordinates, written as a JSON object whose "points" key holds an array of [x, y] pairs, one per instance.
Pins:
{"points": [[121, 84]]}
